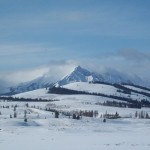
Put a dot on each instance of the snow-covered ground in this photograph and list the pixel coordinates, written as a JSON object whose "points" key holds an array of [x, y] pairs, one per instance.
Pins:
{"points": [[43, 94], [77, 102], [44, 131]]}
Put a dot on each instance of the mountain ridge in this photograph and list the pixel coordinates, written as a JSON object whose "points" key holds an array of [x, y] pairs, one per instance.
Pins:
{"points": [[79, 74]]}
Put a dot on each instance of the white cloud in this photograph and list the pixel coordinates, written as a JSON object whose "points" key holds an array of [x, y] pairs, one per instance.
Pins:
{"points": [[132, 62], [134, 55], [55, 70], [98, 22], [128, 62], [23, 76], [20, 49]]}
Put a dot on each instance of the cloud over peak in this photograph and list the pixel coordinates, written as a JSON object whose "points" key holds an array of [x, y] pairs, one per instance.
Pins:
{"points": [[134, 55]]}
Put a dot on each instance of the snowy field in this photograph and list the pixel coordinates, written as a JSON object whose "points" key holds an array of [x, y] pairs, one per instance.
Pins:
{"points": [[66, 134], [43, 131]]}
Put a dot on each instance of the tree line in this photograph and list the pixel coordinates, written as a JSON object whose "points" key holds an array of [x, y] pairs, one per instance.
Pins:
{"points": [[15, 99], [132, 103], [120, 104]]}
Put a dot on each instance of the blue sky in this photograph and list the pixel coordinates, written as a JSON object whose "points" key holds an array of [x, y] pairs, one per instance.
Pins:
{"points": [[36, 33]]}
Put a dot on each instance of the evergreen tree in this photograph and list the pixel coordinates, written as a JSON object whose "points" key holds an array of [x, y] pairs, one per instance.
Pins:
{"points": [[147, 116], [14, 108], [136, 114], [116, 115], [25, 116], [56, 114], [104, 120], [15, 114], [74, 116], [78, 117]]}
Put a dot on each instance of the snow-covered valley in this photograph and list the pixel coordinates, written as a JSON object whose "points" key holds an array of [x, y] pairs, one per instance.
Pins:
{"points": [[43, 131]]}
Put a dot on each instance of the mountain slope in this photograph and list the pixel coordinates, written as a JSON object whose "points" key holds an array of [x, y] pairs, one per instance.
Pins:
{"points": [[104, 89], [110, 76], [107, 90], [79, 75], [41, 82]]}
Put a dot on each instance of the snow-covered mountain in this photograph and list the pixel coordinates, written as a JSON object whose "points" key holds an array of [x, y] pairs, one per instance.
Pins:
{"points": [[79, 74], [41, 82]]}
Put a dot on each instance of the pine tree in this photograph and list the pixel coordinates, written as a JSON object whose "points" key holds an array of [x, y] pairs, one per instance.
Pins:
{"points": [[15, 115], [136, 114], [74, 116], [104, 120], [27, 105], [25, 116], [14, 108], [56, 114], [78, 117], [116, 115], [142, 114], [147, 116]]}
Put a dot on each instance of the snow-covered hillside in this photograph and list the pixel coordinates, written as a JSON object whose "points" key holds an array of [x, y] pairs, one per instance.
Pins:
{"points": [[103, 89], [70, 100], [92, 88], [41, 82], [137, 89]]}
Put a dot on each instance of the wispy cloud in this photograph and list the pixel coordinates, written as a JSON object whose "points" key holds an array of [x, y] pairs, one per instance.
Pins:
{"points": [[131, 62], [122, 61], [134, 55], [96, 21], [45, 20], [54, 69], [20, 49]]}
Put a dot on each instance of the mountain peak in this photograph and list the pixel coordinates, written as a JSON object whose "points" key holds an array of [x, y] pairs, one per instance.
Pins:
{"points": [[78, 68], [79, 74], [78, 71]]}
